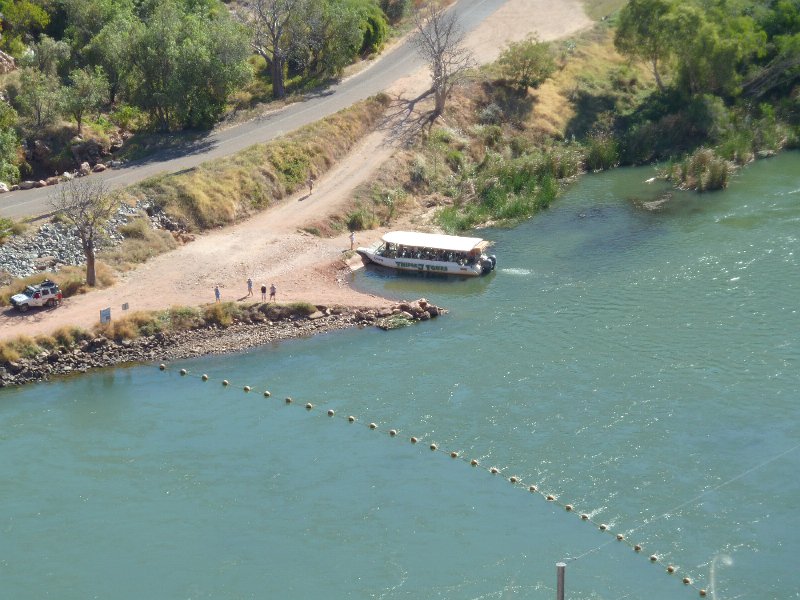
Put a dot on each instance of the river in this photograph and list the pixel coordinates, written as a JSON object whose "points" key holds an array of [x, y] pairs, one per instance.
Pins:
{"points": [[639, 365]]}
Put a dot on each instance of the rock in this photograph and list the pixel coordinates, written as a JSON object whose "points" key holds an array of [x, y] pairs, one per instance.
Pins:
{"points": [[41, 151], [422, 302], [40, 184], [44, 263], [15, 187], [53, 180], [66, 175], [97, 343], [433, 310], [85, 168], [115, 163], [7, 63], [27, 185], [316, 315], [3, 187], [99, 168]]}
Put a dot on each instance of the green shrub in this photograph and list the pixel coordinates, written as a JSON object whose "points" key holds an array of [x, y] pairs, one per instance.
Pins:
{"points": [[602, 151], [527, 63], [703, 171], [361, 220]]}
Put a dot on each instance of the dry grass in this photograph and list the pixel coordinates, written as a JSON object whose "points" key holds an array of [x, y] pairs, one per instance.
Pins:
{"points": [[141, 243], [224, 191]]}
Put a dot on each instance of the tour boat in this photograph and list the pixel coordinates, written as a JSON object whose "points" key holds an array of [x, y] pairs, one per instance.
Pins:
{"points": [[431, 253]]}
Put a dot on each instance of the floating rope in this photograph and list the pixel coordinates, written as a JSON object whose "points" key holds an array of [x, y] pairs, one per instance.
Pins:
{"points": [[531, 488]]}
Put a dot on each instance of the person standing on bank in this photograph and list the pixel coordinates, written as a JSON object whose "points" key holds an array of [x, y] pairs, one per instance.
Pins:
{"points": [[216, 293], [352, 239], [249, 286], [264, 292], [310, 183], [272, 291]]}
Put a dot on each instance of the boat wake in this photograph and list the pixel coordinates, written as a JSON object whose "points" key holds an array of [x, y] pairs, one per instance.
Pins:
{"points": [[522, 272]]}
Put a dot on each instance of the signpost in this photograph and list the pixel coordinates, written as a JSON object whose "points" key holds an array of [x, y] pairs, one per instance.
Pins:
{"points": [[105, 315]]}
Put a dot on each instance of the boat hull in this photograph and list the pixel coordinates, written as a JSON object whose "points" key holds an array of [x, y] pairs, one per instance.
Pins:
{"points": [[422, 266]]}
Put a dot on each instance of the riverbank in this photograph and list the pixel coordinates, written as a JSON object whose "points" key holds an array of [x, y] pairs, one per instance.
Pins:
{"points": [[254, 326]]}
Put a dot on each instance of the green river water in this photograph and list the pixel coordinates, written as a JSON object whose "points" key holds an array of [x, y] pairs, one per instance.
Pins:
{"points": [[642, 366]]}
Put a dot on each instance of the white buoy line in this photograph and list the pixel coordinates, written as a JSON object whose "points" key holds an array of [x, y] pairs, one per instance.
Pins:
{"points": [[604, 528]]}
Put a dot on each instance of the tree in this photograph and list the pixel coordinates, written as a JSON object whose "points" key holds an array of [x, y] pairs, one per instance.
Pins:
{"points": [[87, 205], [527, 63], [711, 47], [270, 22], [440, 42], [183, 65], [47, 55], [88, 92], [38, 97], [643, 32], [110, 48], [20, 19], [9, 145]]}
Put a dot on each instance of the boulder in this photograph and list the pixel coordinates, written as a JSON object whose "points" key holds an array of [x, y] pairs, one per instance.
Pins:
{"points": [[7, 63], [99, 168], [41, 151], [67, 175], [52, 180], [3, 187], [27, 185], [40, 184], [85, 168], [316, 315]]}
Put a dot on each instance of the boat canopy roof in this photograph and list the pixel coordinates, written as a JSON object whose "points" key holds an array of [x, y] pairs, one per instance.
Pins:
{"points": [[436, 241]]}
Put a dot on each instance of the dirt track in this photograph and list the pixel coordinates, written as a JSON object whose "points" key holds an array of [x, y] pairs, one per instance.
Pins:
{"points": [[269, 247]]}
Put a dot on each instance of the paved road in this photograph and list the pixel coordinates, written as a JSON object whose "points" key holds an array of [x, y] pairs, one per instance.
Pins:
{"points": [[401, 61]]}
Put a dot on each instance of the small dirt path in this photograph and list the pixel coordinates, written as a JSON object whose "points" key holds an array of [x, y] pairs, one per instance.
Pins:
{"points": [[270, 247]]}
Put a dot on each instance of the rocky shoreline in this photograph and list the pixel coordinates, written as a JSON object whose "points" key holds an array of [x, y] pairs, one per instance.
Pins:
{"points": [[100, 351]]}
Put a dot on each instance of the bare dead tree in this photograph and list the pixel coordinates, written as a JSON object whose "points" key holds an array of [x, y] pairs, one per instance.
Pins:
{"points": [[86, 204], [440, 41], [269, 21]]}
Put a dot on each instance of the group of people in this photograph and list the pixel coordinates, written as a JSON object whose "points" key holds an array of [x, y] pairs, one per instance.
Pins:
{"points": [[400, 251], [272, 291]]}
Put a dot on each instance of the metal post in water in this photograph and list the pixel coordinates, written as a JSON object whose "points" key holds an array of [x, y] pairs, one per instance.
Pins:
{"points": [[560, 567]]}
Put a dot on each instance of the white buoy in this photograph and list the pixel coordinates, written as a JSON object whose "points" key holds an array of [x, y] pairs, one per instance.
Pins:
{"points": [[246, 388], [309, 406], [204, 377], [351, 418], [373, 426], [225, 382], [288, 399], [183, 371], [392, 432], [330, 412], [267, 394]]}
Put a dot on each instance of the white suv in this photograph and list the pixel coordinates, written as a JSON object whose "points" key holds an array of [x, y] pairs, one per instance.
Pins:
{"points": [[46, 293]]}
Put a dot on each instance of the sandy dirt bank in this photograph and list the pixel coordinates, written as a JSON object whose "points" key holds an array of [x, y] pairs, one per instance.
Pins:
{"points": [[270, 247]]}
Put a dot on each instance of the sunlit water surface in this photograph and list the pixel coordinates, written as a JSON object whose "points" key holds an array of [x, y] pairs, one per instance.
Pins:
{"points": [[642, 366]]}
